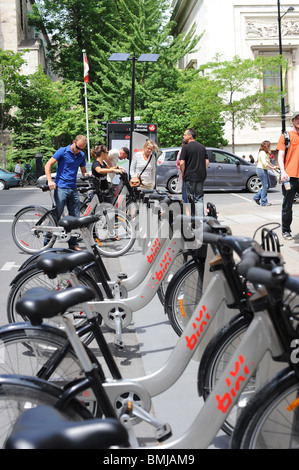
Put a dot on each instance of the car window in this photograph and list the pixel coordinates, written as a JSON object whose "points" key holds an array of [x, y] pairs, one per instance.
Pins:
{"points": [[220, 157], [171, 156]]}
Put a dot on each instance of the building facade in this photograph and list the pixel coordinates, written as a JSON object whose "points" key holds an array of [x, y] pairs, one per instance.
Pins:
{"points": [[16, 35], [245, 28]]}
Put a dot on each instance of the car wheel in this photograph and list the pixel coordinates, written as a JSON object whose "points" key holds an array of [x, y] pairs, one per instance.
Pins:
{"points": [[172, 185], [254, 184], [2, 185]]}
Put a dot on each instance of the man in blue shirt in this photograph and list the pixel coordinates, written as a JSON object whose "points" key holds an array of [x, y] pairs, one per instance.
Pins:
{"points": [[68, 160]]}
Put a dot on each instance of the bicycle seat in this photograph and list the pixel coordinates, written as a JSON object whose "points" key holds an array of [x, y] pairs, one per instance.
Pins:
{"points": [[53, 263], [44, 427], [70, 223], [39, 303]]}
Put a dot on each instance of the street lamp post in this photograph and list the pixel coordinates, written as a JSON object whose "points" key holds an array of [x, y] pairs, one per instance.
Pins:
{"points": [[123, 57], [283, 111]]}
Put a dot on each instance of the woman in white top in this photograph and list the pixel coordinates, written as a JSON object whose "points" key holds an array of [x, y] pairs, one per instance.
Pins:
{"points": [[263, 165], [145, 158]]}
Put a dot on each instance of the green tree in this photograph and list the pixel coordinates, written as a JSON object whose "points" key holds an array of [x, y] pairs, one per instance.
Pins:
{"points": [[141, 26], [106, 26], [12, 85], [238, 84], [196, 104], [49, 116], [71, 24]]}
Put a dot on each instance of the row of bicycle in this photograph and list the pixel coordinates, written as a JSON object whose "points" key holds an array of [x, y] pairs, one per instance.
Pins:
{"points": [[62, 370]]}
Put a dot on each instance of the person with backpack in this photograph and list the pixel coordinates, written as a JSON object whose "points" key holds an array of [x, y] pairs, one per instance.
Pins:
{"points": [[288, 162]]}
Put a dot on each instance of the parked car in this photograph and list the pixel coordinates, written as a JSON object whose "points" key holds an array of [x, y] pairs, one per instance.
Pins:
{"points": [[8, 179], [226, 171], [42, 180]]}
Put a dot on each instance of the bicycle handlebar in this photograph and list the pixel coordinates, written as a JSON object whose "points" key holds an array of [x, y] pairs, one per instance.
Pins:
{"points": [[272, 279], [248, 261]]}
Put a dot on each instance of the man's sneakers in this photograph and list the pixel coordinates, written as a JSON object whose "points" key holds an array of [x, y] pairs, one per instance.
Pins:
{"points": [[287, 236]]}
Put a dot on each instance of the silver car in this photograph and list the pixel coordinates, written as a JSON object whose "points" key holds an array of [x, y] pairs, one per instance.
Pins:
{"points": [[226, 171], [42, 180]]}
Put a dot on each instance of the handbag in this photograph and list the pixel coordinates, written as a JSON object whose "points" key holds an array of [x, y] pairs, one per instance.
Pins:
{"points": [[136, 181]]}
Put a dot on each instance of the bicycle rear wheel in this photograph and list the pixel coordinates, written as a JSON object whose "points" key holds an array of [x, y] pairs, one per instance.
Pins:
{"points": [[271, 419], [33, 351], [19, 393], [26, 233], [183, 294], [35, 277], [114, 234]]}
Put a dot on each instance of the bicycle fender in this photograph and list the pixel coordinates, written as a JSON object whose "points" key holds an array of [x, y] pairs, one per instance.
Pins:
{"points": [[31, 267], [28, 207], [21, 326], [238, 318]]}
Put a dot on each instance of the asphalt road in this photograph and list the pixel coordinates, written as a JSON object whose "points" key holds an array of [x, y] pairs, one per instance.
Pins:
{"points": [[13, 200]]}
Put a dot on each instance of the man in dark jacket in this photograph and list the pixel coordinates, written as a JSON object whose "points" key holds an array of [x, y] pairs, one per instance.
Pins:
{"points": [[193, 164]]}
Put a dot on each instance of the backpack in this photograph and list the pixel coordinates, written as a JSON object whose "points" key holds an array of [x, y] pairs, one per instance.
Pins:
{"points": [[287, 142]]}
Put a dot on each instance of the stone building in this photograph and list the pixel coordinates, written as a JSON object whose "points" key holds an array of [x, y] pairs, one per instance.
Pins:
{"points": [[16, 35], [246, 28]]}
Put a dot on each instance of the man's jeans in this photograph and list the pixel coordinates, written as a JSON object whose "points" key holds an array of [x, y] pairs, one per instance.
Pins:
{"points": [[287, 204], [262, 194], [195, 189], [69, 198]]}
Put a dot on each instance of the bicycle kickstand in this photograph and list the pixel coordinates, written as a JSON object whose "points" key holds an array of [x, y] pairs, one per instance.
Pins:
{"points": [[118, 342]]}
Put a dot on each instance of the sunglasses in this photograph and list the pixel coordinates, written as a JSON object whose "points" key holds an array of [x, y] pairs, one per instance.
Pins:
{"points": [[78, 148]]}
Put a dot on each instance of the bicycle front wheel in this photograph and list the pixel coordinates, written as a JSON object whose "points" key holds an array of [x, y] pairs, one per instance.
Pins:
{"points": [[114, 234], [26, 232], [19, 393], [183, 294], [271, 419]]}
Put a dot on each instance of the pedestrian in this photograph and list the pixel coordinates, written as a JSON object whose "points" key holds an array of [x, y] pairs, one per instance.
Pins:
{"points": [[288, 162], [251, 159], [181, 185], [101, 170], [144, 165], [263, 165], [114, 156], [19, 169], [194, 162], [68, 160]]}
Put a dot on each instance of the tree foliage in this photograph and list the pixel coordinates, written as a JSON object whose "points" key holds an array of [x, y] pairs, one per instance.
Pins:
{"points": [[12, 86], [238, 84]]}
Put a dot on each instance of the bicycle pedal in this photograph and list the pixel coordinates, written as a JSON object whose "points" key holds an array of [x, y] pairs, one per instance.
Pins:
{"points": [[164, 432]]}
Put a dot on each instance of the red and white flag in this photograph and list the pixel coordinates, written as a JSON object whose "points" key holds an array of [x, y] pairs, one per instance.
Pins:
{"points": [[86, 69]]}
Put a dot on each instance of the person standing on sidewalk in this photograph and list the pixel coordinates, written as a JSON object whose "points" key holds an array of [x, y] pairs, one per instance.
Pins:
{"points": [[194, 162], [289, 167], [68, 160], [263, 165]]}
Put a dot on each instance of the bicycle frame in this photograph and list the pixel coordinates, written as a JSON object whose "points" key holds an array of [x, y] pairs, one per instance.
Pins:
{"points": [[258, 339]]}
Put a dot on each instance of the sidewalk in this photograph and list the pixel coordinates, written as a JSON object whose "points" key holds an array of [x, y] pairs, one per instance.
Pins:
{"points": [[150, 339], [244, 218]]}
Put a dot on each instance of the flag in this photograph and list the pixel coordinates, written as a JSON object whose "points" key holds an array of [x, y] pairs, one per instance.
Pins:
{"points": [[86, 69]]}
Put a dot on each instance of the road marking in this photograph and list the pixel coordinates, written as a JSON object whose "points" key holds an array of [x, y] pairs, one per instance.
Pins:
{"points": [[6, 220], [9, 265], [241, 197]]}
